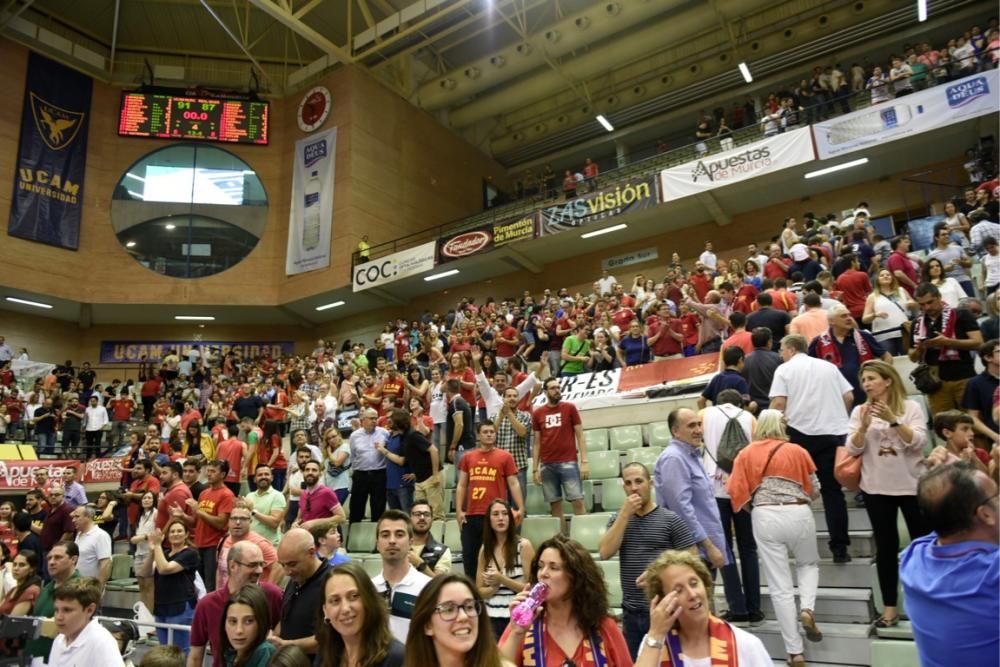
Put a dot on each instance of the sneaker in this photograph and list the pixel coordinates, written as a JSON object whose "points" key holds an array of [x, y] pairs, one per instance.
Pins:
{"points": [[808, 620], [739, 620], [842, 557], [757, 618]]}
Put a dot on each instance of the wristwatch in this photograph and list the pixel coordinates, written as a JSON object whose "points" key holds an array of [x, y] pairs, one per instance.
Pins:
{"points": [[652, 643], [893, 424]]}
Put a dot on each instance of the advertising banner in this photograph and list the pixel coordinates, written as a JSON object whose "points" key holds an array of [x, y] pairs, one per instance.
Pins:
{"points": [[153, 351], [486, 237], [917, 112], [739, 164], [396, 266], [310, 219], [52, 155], [635, 195], [630, 258], [621, 385], [20, 474]]}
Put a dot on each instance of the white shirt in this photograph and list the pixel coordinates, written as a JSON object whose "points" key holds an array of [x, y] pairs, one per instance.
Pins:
{"points": [[493, 399], [749, 651], [93, 646], [709, 259], [992, 264], [607, 284], [95, 546], [404, 596], [439, 407], [95, 418], [713, 422], [814, 391]]}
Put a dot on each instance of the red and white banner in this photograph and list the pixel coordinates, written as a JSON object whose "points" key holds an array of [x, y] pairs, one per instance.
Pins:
{"points": [[739, 164], [620, 386], [21, 474]]}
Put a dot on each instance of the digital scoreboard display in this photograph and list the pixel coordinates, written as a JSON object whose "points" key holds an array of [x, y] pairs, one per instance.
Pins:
{"points": [[165, 116]]}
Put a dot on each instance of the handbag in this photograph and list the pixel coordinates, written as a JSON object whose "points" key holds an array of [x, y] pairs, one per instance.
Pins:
{"points": [[847, 469], [925, 378]]}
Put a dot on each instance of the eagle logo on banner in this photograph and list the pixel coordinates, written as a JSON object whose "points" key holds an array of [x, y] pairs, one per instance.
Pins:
{"points": [[57, 126]]}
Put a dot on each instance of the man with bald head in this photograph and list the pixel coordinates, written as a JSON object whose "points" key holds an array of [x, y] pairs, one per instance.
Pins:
{"points": [[304, 594], [245, 563]]}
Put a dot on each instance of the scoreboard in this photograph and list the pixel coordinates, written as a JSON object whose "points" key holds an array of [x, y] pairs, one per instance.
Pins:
{"points": [[165, 116]]}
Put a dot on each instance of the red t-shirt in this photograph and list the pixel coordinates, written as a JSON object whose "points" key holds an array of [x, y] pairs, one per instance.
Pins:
{"points": [[277, 415], [147, 483], [615, 648], [590, 170], [214, 502], [782, 299], [189, 417], [701, 284], [231, 450], [746, 297], [622, 317], [525, 403], [466, 376], [740, 339], [150, 387], [176, 495], [557, 428], [773, 271], [856, 287], [900, 262], [665, 345], [393, 388], [506, 350], [689, 328], [488, 473], [121, 409]]}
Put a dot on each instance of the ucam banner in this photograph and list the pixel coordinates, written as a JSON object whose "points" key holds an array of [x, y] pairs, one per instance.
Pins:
{"points": [[586, 209], [396, 266], [739, 164], [153, 351], [924, 110], [52, 155], [310, 219], [486, 237]]}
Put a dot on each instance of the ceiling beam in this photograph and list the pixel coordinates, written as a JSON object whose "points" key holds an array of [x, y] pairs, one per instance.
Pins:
{"points": [[236, 40], [415, 28], [301, 320], [386, 296], [523, 260], [306, 8], [312, 36], [711, 204]]}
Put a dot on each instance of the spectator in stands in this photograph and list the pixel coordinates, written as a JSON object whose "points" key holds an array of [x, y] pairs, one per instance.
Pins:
{"points": [[337, 457], [304, 593], [950, 576], [409, 458], [569, 185], [235, 453], [43, 421], [369, 467], [57, 525], [955, 428], [886, 312], [558, 445], [889, 432], [317, 503], [145, 524], [62, 561], [683, 486], [460, 419], [210, 517], [439, 633], [20, 600], [245, 565], [576, 609], [783, 523], [729, 378], [500, 564], [590, 172], [143, 482], [72, 423], [951, 291], [854, 286], [812, 321], [953, 258], [174, 568], [246, 621], [82, 640], [759, 367], [634, 349], [328, 541], [718, 423], [944, 338], [639, 531], [355, 627], [296, 483], [575, 350], [94, 545], [95, 419], [773, 319], [978, 399], [847, 347], [513, 428], [816, 398], [267, 506], [399, 583], [427, 555], [239, 531], [681, 621], [76, 494]]}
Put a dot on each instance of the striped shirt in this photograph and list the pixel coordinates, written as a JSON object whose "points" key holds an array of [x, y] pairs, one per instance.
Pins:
{"points": [[498, 606]]}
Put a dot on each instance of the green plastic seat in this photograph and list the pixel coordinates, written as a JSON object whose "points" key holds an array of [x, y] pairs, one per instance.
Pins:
{"points": [[604, 465], [659, 434], [587, 529], [453, 538], [537, 529], [612, 577], [644, 455], [361, 537], [623, 438], [596, 439], [612, 495]]}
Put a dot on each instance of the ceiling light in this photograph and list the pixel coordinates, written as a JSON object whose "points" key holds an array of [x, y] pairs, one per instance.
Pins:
{"points": [[136, 195], [745, 71], [130, 244], [328, 306], [443, 274], [170, 226], [195, 318], [604, 122], [921, 10], [138, 178], [837, 167], [601, 232], [25, 302]]}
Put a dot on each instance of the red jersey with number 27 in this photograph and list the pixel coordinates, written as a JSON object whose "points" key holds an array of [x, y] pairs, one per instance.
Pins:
{"points": [[488, 473]]}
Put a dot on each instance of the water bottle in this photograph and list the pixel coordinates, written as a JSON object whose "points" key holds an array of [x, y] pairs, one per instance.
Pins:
{"points": [[310, 216], [524, 613]]}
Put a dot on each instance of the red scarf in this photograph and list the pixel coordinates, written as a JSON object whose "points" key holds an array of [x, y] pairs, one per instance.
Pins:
{"points": [[827, 348], [948, 319], [722, 646]]}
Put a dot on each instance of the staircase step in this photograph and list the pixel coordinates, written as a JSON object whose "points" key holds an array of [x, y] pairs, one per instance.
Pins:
{"points": [[857, 519], [862, 544], [902, 631], [833, 605], [843, 643], [894, 653], [856, 574]]}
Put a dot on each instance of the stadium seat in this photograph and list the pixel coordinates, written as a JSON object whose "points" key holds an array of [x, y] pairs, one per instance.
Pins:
{"points": [[612, 495], [453, 538], [588, 529], [121, 566], [361, 537], [612, 577], [604, 465], [437, 530], [624, 438], [537, 529], [596, 439], [373, 566], [659, 434], [535, 501], [644, 455], [449, 475]]}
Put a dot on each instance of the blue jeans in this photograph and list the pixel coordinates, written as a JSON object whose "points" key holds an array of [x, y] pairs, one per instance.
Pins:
{"points": [[400, 498], [557, 477], [635, 625], [182, 638], [278, 478], [742, 598], [46, 444]]}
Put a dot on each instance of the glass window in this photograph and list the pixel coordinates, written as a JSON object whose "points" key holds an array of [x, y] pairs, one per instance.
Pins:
{"points": [[189, 210]]}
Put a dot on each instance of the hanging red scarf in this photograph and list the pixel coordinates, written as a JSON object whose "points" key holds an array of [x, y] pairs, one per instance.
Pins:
{"points": [[722, 646], [827, 348], [948, 319]]}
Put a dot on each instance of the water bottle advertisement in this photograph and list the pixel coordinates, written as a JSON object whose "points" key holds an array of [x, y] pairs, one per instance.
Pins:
{"points": [[310, 220]]}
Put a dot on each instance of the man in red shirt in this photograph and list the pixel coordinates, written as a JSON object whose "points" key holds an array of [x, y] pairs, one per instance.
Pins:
{"points": [[621, 315], [901, 265], [783, 299], [700, 281], [121, 411], [142, 481], [234, 452], [149, 393], [854, 285], [590, 172], [485, 473], [776, 266], [392, 386], [176, 493], [558, 438], [507, 343], [190, 414], [663, 333], [210, 520]]}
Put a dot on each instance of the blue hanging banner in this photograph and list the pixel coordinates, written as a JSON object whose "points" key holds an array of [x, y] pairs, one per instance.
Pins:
{"points": [[52, 155]]}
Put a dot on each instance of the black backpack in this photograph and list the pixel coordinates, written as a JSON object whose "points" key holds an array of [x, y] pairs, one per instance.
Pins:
{"points": [[733, 440]]}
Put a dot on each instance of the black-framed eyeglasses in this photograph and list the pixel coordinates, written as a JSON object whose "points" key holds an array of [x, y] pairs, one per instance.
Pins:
{"points": [[420, 514], [251, 566], [987, 499], [449, 610]]}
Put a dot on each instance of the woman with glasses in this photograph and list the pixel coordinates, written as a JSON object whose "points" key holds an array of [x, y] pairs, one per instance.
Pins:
{"points": [[109, 510], [888, 432], [354, 623], [173, 568], [573, 627], [778, 479], [450, 628], [500, 571]]}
